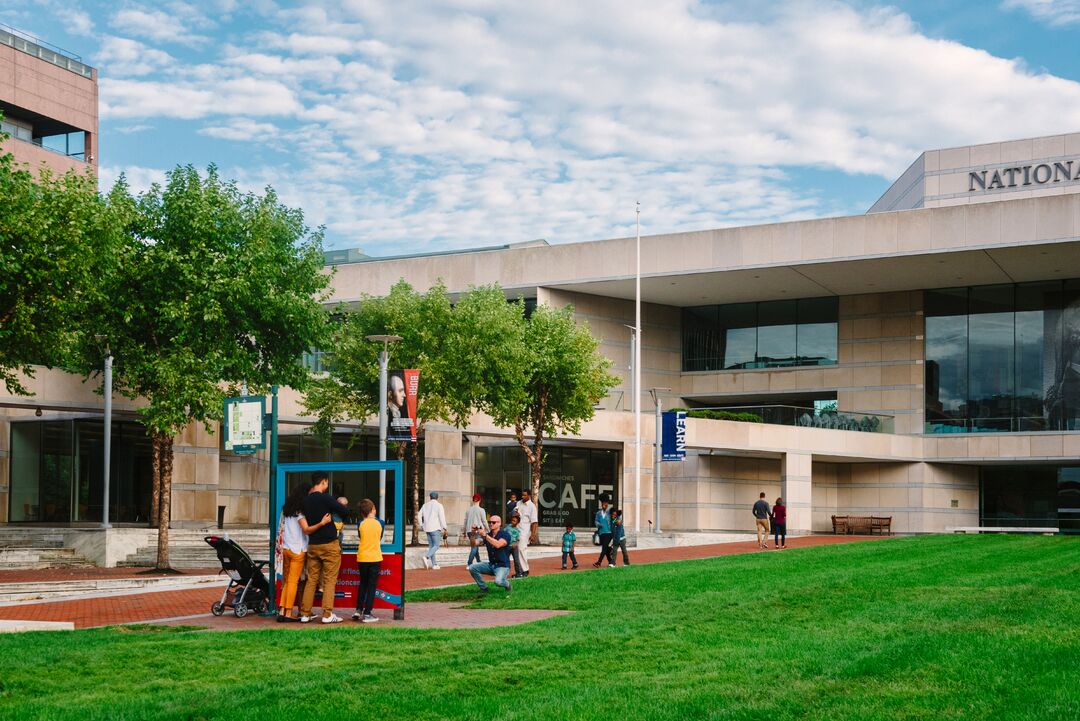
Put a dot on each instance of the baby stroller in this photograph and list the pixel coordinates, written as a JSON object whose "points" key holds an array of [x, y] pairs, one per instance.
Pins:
{"points": [[249, 587]]}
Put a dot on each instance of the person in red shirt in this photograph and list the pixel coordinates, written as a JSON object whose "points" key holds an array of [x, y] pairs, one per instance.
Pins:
{"points": [[779, 523]]}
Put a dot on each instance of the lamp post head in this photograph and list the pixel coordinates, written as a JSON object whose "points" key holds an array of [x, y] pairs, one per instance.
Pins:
{"points": [[384, 338]]}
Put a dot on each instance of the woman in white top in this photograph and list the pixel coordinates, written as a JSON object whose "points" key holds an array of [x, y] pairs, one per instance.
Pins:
{"points": [[293, 542]]}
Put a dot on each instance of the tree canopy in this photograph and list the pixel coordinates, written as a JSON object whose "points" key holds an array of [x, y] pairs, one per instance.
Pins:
{"points": [[214, 287]]}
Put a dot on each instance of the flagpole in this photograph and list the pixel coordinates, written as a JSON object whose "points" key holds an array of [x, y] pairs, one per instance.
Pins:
{"points": [[637, 376]]}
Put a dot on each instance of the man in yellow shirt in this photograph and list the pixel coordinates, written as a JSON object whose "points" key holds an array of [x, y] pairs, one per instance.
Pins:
{"points": [[368, 560]]}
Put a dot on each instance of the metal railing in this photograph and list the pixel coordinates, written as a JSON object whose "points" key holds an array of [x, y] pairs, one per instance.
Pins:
{"points": [[806, 417], [31, 45], [1004, 424]]}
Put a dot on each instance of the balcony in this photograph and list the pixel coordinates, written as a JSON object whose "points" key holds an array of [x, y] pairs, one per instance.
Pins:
{"points": [[802, 416], [45, 51]]}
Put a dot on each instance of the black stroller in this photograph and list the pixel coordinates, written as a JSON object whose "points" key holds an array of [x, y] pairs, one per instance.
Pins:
{"points": [[249, 587]]}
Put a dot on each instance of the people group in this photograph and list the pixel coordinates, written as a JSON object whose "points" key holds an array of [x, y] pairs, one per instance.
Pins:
{"points": [[768, 519], [310, 539]]}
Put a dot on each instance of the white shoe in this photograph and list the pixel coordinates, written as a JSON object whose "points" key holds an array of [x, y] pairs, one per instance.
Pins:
{"points": [[357, 616], [305, 619], [368, 618], [427, 561], [436, 568], [332, 618]]}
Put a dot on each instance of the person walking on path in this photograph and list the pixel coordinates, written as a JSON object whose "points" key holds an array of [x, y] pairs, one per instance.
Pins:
{"points": [[761, 518], [514, 529], [527, 510], [433, 521], [618, 538], [497, 541], [779, 524], [475, 521], [292, 547], [603, 531], [324, 551], [568, 540], [368, 561]]}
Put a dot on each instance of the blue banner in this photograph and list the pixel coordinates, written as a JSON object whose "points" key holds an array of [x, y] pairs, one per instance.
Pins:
{"points": [[673, 447]]}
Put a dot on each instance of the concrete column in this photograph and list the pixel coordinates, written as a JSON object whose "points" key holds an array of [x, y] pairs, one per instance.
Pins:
{"points": [[795, 479], [442, 473]]}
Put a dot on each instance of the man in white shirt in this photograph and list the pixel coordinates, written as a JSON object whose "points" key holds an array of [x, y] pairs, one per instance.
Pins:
{"points": [[527, 510], [433, 521]]}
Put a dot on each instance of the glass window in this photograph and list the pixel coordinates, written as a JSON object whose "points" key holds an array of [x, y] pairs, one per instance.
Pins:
{"points": [[990, 358], [1019, 495], [1038, 349], [701, 339], [739, 323], [776, 332]]}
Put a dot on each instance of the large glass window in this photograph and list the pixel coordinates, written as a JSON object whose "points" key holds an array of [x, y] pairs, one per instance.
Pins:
{"points": [[1003, 358], [770, 334], [1046, 496]]}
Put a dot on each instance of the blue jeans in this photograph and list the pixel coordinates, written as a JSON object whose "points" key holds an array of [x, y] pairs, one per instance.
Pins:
{"points": [[434, 540], [499, 572], [474, 553]]}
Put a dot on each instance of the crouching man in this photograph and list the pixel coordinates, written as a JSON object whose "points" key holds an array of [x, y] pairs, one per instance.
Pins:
{"points": [[497, 542]]}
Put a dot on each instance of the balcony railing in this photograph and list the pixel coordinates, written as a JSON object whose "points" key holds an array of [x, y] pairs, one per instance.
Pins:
{"points": [[803, 416], [40, 49]]}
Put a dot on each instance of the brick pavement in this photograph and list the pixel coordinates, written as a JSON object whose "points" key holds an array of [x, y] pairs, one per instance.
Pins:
{"points": [[145, 607]]}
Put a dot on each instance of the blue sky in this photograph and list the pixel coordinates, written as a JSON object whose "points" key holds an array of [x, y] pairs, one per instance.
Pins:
{"points": [[438, 124]]}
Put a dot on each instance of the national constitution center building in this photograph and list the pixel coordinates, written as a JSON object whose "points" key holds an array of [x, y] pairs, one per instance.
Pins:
{"points": [[919, 361]]}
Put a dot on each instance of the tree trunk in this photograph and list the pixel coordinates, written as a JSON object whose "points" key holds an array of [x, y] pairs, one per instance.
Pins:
{"points": [[534, 454], [155, 481], [165, 442], [414, 457]]}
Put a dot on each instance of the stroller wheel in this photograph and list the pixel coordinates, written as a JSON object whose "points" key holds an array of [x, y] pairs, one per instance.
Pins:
{"points": [[218, 608], [240, 610], [263, 606]]}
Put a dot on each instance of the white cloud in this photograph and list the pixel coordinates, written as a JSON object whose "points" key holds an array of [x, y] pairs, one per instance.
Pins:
{"points": [[123, 56], [1053, 12], [447, 123], [158, 25], [77, 22], [139, 178]]}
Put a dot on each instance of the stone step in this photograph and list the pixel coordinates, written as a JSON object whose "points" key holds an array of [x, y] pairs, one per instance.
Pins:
{"points": [[31, 558], [14, 593]]}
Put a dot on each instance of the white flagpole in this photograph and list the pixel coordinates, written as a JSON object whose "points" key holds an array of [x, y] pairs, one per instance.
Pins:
{"points": [[637, 377]]}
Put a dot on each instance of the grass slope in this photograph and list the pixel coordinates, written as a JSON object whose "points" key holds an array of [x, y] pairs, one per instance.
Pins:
{"points": [[946, 627]]}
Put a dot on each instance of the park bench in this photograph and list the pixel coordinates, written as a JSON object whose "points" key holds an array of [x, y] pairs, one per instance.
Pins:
{"points": [[1047, 531], [862, 525]]}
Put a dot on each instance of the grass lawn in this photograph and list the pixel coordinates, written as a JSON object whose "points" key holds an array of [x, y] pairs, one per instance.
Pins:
{"points": [[942, 627]]}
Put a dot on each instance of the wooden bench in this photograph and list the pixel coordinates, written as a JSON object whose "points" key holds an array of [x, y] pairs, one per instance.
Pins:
{"points": [[862, 525], [1046, 531]]}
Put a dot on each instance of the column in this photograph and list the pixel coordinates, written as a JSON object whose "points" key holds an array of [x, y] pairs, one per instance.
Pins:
{"points": [[795, 477]]}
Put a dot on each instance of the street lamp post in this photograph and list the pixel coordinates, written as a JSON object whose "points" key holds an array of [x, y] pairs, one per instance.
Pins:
{"points": [[106, 463], [655, 392], [637, 376], [384, 363]]}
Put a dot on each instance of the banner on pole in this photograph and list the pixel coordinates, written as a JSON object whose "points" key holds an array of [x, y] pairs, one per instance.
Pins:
{"points": [[673, 447], [401, 389]]}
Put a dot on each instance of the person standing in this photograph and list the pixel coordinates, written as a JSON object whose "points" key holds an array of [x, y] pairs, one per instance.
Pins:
{"points": [[603, 531], [368, 560], [779, 518], [618, 538], [433, 521], [324, 551], [514, 529], [498, 564], [527, 510], [475, 521], [511, 505], [568, 540], [293, 544], [761, 518]]}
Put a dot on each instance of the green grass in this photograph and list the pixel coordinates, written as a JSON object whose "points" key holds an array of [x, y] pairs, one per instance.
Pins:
{"points": [[945, 627]]}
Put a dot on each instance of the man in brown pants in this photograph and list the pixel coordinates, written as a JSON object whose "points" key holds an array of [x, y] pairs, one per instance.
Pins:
{"points": [[761, 517], [324, 551]]}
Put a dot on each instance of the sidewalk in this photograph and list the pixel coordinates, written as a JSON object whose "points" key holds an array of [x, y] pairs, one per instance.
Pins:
{"points": [[191, 606]]}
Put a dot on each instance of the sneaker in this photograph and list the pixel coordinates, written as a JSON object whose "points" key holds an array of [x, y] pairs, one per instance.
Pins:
{"points": [[436, 567], [482, 589], [332, 618], [368, 618], [575, 566], [596, 565], [305, 619], [564, 568], [357, 616], [427, 561]]}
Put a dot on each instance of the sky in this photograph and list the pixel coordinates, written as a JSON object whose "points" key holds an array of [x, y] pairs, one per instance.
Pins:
{"points": [[419, 126]]}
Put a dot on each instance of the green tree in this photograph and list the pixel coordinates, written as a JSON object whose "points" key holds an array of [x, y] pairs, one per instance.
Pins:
{"points": [[541, 375], [351, 388], [58, 238], [214, 288]]}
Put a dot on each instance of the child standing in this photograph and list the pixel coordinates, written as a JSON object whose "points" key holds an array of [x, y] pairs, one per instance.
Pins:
{"points": [[515, 533], [568, 540], [618, 538]]}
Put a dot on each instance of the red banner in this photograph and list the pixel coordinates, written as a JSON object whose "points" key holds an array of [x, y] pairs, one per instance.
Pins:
{"points": [[402, 386]]}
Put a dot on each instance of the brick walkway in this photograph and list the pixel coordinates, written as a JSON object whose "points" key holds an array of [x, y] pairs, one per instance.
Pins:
{"points": [[157, 606]]}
